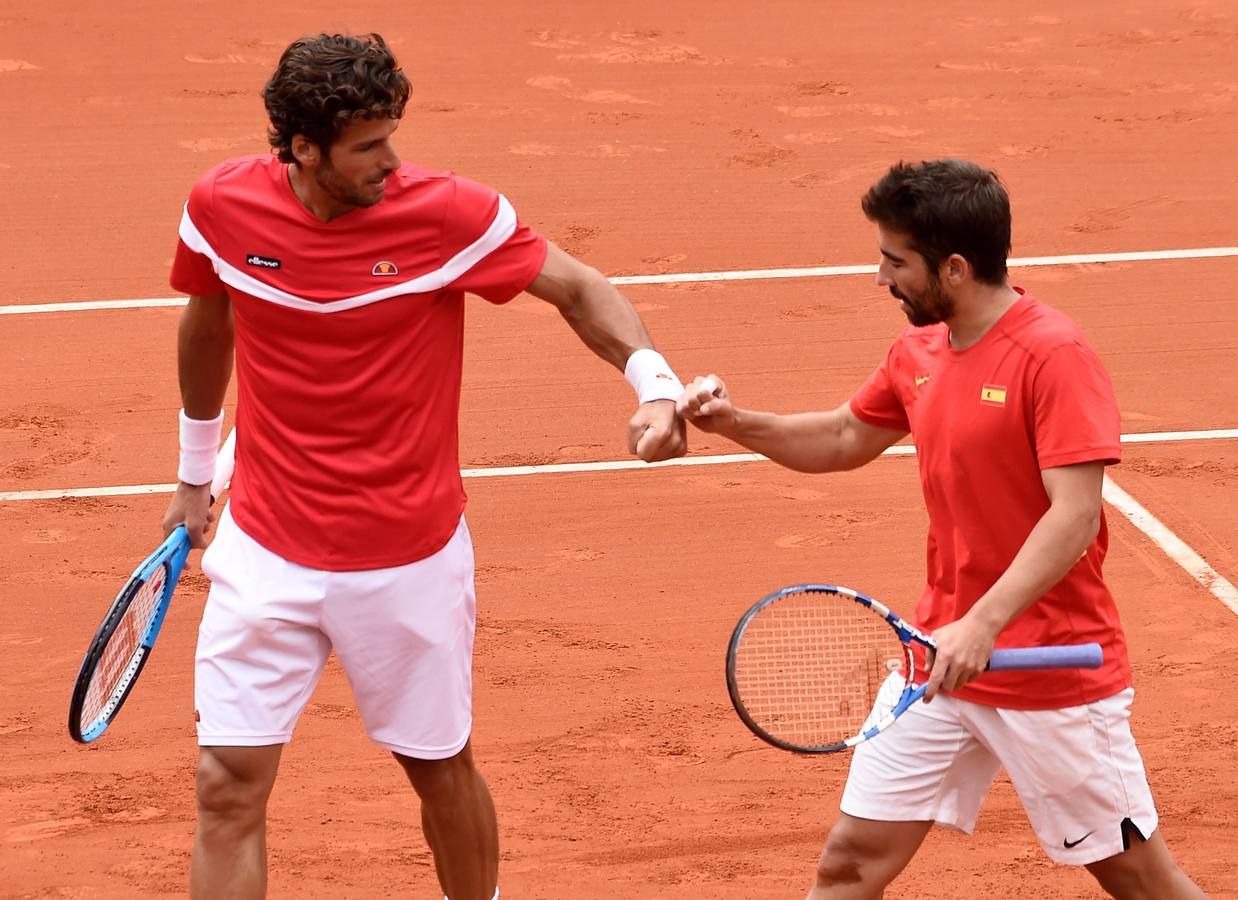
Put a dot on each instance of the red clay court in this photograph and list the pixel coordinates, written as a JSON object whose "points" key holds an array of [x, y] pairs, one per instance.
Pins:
{"points": [[649, 139]]}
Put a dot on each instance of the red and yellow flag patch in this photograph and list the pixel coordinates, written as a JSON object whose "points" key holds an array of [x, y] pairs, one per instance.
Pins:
{"points": [[993, 394]]}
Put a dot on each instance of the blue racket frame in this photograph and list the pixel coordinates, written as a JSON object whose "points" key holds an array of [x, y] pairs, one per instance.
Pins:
{"points": [[171, 556], [1072, 656]]}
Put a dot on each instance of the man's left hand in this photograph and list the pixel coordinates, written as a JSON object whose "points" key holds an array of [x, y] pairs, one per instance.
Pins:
{"points": [[656, 433]]}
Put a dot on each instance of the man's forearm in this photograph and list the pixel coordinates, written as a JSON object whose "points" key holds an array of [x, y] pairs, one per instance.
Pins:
{"points": [[805, 442], [606, 322]]}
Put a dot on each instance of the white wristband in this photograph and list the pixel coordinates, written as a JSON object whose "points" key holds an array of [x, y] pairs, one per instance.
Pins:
{"points": [[651, 377], [199, 445]]}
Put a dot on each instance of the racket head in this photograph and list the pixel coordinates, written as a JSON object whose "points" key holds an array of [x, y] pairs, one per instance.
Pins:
{"points": [[806, 663], [123, 641]]}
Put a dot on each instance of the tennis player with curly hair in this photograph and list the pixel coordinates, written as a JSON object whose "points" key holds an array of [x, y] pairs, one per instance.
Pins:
{"points": [[338, 275]]}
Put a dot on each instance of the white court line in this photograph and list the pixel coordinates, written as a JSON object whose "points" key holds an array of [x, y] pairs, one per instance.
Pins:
{"points": [[496, 472], [1174, 547], [1171, 544], [1017, 262], [687, 277], [1166, 437]]}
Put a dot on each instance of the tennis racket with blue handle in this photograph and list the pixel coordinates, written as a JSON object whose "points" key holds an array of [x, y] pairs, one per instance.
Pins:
{"points": [[124, 640], [805, 666]]}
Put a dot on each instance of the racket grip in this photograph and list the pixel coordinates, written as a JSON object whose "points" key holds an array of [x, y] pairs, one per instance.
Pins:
{"points": [[1069, 656]]}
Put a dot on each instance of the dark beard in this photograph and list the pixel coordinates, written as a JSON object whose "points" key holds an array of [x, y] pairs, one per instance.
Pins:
{"points": [[931, 308], [334, 188]]}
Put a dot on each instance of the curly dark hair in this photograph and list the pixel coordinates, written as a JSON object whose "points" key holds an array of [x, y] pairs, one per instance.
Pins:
{"points": [[322, 83], [946, 206]]}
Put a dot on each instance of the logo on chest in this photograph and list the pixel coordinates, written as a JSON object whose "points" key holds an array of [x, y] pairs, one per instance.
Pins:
{"points": [[385, 267], [993, 395]]}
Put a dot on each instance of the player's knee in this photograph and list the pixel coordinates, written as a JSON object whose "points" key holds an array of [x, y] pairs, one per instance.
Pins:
{"points": [[1144, 872], [848, 860], [1128, 883], [1139, 882], [438, 780], [228, 793]]}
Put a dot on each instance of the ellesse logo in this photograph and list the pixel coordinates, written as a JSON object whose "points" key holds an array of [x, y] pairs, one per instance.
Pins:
{"points": [[263, 262], [385, 267]]}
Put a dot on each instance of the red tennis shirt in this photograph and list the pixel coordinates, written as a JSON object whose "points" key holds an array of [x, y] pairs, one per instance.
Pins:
{"points": [[349, 344], [1031, 394]]}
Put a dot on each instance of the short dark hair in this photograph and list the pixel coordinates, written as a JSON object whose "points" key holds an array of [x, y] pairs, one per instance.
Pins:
{"points": [[323, 83], [946, 206]]}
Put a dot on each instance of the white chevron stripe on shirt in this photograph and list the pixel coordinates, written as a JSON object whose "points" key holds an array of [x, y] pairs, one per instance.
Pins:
{"points": [[501, 228]]}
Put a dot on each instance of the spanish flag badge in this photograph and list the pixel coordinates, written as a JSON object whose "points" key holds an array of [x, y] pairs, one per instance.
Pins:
{"points": [[993, 394]]}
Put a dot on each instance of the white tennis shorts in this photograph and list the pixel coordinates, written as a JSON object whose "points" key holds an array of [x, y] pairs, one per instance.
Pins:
{"points": [[1076, 770], [403, 635]]}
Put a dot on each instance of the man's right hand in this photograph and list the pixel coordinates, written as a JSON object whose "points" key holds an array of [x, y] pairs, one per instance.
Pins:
{"points": [[191, 506], [707, 405]]}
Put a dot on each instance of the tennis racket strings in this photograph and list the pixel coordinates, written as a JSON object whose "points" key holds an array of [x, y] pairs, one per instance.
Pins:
{"points": [[121, 656], [809, 671]]}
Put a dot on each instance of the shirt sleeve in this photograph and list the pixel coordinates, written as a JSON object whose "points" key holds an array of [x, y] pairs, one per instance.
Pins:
{"points": [[193, 272], [1074, 409], [877, 402], [480, 220]]}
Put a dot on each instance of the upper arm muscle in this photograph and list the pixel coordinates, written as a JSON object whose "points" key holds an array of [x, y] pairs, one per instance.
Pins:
{"points": [[561, 278], [1077, 486], [861, 442]]}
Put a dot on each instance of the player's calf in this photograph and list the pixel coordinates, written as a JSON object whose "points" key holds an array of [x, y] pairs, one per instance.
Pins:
{"points": [[459, 823]]}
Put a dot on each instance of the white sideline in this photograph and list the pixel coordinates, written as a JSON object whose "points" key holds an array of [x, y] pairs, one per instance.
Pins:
{"points": [[1075, 259], [1173, 546]]}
